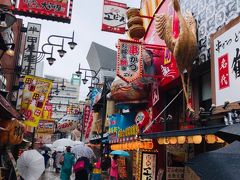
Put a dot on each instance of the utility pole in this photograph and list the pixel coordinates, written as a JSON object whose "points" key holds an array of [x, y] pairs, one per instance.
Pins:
{"points": [[104, 93]]}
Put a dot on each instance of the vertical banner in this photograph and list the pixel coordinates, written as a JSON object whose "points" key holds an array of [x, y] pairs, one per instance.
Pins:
{"points": [[114, 17], [149, 163], [34, 97], [129, 60], [32, 36], [85, 118]]}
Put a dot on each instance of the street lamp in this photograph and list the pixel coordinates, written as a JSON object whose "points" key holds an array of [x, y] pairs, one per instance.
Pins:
{"points": [[85, 80], [40, 54], [63, 85]]}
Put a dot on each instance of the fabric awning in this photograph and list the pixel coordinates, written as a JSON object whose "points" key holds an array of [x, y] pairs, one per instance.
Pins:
{"points": [[7, 111], [188, 132]]}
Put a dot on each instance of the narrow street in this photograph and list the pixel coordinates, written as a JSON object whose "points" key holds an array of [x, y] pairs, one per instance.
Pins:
{"points": [[50, 174]]}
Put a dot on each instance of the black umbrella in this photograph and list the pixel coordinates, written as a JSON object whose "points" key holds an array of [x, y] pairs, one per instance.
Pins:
{"points": [[45, 148], [229, 133], [220, 164]]}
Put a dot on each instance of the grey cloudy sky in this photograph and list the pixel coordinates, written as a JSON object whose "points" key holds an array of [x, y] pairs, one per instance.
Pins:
{"points": [[86, 23]]}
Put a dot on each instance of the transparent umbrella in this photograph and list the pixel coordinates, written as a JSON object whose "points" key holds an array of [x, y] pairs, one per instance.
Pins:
{"points": [[63, 142], [31, 165], [83, 151]]}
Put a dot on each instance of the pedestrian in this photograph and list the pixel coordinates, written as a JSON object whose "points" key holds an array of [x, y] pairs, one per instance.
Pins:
{"points": [[46, 158], [54, 154], [114, 168], [82, 168], [58, 157], [68, 161]]}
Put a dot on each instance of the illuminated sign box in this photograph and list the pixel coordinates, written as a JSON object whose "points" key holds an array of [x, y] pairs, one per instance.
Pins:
{"points": [[55, 10]]}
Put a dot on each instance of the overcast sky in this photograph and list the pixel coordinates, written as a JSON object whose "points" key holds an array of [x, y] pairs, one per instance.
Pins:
{"points": [[86, 23]]}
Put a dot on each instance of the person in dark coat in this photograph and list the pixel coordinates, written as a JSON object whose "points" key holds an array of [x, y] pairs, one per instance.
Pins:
{"points": [[83, 173], [46, 158]]}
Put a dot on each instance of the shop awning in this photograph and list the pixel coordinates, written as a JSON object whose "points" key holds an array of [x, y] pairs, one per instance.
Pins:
{"points": [[188, 132], [7, 111]]}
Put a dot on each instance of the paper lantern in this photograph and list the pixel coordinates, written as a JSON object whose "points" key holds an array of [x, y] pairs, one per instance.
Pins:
{"points": [[181, 139], [210, 138], [166, 140], [160, 140], [219, 140], [189, 139], [197, 139], [173, 140]]}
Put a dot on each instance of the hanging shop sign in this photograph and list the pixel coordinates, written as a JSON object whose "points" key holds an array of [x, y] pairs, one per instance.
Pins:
{"points": [[68, 122], [32, 38], [129, 60], [114, 17], [225, 64], [46, 126], [56, 10], [34, 97], [11, 131], [149, 163]]}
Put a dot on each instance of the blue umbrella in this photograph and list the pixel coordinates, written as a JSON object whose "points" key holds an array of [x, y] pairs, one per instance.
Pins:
{"points": [[120, 153]]}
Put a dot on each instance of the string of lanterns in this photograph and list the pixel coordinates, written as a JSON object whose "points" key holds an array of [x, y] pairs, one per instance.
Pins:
{"points": [[133, 145], [196, 139]]}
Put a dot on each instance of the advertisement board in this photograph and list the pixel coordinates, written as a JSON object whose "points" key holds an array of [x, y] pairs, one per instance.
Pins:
{"points": [[56, 10], [114, 17], [165, 62], [46, 126], [225, 64], [34, 97]]}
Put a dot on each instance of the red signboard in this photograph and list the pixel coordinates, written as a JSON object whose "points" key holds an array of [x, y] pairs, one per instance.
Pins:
{"points": [[57, 10], [86, 117], [114, 17], [129, 60], [223, 71]]}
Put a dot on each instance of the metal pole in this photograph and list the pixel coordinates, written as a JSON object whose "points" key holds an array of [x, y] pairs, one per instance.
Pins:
{"points": [[103, 114], [28, 72]]}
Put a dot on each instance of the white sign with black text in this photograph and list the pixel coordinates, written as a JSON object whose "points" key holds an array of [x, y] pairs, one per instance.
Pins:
{"points": [[31, 44]]}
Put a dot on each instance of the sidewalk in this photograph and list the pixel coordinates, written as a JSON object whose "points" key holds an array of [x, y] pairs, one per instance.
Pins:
{"points": [[51, 175]]}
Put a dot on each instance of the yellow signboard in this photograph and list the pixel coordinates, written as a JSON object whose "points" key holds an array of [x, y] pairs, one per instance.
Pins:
{"points": [[34, 97]]}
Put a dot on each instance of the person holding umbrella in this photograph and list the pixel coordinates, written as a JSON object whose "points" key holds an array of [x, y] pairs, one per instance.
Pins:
{"points": [[114, 168], [68, 161], [46, 158]]}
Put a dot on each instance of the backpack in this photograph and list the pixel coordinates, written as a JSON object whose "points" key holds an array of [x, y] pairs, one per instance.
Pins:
{"points": [[79, 165]]}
